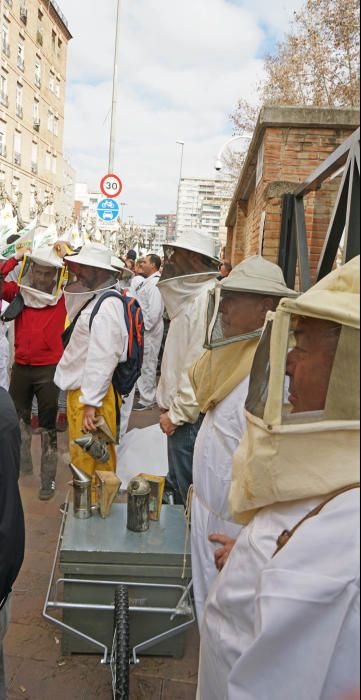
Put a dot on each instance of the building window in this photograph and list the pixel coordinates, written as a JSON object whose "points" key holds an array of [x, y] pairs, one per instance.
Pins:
{"points": [[21, 56], [23, 14], [38, 74], [57, 88], [53, 40], [4, 99], [47, 161], [36, 115], [19, 101], [39, 36], [5, 45], [2, 141], [50, 121], [54, 165], [56, 126], [17, 148], [34, 158], [52, 82]]}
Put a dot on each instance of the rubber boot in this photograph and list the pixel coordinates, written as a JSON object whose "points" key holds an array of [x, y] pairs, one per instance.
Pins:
{"points": [[49, 459], [26, 461]]}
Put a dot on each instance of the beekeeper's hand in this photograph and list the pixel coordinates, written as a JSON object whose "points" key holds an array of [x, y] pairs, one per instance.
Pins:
{"points": [[221, 555], [166, 425], [89, 419], [62, 248], [19, 254]]}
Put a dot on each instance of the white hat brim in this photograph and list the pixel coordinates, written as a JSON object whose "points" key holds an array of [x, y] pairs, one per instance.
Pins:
{"points": [[78, 258]]}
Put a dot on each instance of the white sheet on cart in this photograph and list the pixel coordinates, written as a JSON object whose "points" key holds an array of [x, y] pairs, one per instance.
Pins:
{"points": [[142, 450]]}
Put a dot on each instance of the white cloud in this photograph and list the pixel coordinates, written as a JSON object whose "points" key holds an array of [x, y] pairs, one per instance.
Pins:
{"points": [[182, 67]]}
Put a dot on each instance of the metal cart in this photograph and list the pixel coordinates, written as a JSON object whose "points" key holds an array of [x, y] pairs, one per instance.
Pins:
{"points": [[136, 575]]}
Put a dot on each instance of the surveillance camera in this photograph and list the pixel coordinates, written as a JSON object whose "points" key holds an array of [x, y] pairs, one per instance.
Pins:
{"points": [[218, 165]]}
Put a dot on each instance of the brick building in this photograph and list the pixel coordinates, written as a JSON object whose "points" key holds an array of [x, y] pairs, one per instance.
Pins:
{"points": [[287, 145]]}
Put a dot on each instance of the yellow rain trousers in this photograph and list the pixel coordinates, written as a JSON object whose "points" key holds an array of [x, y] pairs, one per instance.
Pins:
{"points": [[80, 458]]}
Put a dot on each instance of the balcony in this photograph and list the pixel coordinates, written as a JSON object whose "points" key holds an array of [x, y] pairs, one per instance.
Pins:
{"points": [[34, 168], [17, 158], [39, 37], [4, 99], [24, 14], [37, 81], [19, 111], [20, 63], [3, 150], [6, 48], [36, 124]]}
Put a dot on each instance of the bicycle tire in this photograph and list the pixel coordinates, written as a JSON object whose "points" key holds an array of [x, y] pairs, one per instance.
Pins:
{"points": [[121, 644]]}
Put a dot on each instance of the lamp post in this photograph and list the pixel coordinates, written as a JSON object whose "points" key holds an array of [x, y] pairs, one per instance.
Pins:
{"points": [[115, 93], [122, 205], [218, 165], [180, 143]]}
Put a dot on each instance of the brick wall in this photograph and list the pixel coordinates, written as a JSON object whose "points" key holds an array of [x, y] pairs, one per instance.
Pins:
{"points": [[290, 155]]}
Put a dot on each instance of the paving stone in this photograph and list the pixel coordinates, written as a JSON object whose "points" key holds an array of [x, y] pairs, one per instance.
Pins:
{"points": [[145, 688], [175, 690]]}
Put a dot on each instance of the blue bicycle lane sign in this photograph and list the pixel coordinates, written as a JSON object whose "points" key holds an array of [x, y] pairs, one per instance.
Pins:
{"points": [[108, 209]]}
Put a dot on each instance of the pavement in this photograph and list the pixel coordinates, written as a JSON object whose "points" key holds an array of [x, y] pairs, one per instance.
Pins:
{"points": [[35, 667]]}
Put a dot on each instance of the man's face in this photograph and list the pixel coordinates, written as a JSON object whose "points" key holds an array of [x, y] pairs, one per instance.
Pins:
{"points": [[85, 274], [241, 313], [139, 267], [148, 267], [309, 364], [43, 278]]}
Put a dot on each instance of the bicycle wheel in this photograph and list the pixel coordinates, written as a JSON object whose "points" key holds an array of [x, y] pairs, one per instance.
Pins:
{"points": [[120, 651]]}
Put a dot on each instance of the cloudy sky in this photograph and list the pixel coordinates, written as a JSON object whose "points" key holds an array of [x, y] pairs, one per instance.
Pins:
{"points": [[183, 66]]}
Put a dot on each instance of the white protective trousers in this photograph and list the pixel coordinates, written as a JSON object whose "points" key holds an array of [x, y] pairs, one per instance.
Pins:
{"points": [[217, 440], [286, 627]]}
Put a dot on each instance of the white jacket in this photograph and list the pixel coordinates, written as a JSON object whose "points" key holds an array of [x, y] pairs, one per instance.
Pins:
{"points": [[286, 628], [90, 359], [151, 303], [217, 441], [186, 300]]}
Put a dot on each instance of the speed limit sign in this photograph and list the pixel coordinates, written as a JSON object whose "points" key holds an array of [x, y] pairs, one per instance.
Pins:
{"points": [[111, 185]]}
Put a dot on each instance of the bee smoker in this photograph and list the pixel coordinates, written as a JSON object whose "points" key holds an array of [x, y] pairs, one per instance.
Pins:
{"points": [[138, 505], [81, 497]]}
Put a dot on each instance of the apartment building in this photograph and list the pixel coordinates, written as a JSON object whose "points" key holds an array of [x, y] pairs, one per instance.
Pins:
{"points": [[167, 221], [34, 40], [204, 204]]}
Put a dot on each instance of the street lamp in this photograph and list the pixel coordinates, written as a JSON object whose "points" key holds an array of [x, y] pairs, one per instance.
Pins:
{"points": [[219, 163], [180, 143], [122, 204]]}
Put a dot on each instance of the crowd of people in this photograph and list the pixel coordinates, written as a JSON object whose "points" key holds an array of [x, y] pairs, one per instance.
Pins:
{"points": [[259, 401]]}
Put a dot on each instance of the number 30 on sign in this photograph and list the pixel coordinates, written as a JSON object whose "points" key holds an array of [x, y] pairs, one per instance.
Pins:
{"points": [[111, 185]]}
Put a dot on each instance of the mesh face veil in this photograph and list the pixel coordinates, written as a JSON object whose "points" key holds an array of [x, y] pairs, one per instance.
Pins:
{"points": [[303, 407], [44, 280], [231, 316]]}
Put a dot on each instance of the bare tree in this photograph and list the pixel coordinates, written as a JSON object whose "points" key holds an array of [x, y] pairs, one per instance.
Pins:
{"points": [[317, 63]]}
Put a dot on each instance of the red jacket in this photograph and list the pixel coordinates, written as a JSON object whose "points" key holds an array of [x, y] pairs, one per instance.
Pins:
{"points": [[37, 331]]}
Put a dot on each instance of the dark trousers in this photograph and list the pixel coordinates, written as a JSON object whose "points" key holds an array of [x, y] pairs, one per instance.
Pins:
{"points": [[180, 458], [28, 381]]}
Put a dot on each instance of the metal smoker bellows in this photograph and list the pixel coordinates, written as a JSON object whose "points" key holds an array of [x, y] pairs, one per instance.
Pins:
{"points": [[138, 505], [81, 498]]}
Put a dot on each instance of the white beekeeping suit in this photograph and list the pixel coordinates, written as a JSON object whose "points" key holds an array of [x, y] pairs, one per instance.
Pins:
{"points": [[282, 618], [152, 306], [4, 351], [220, 379]]}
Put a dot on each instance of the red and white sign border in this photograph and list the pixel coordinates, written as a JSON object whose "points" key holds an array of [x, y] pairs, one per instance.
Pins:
{"points": [[111, 195]]}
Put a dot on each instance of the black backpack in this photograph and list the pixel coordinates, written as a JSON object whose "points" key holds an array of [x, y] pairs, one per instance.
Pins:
{"points": [[127, 373]]}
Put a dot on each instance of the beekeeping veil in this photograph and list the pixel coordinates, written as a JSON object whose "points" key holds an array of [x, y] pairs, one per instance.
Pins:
{"points": [[41, 278], [228, 302], [236, 312], [290, 453], [90, 272]]}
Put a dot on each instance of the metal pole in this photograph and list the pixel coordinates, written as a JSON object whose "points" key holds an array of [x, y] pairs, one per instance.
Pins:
{"points": [[115, 91], [181, 143]]}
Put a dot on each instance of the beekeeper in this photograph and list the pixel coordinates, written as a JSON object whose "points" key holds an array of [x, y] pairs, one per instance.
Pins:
{"points": [[91, 355], [237, 310], [37, 305], [190, 271], [282, 618], [152, 306]]}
